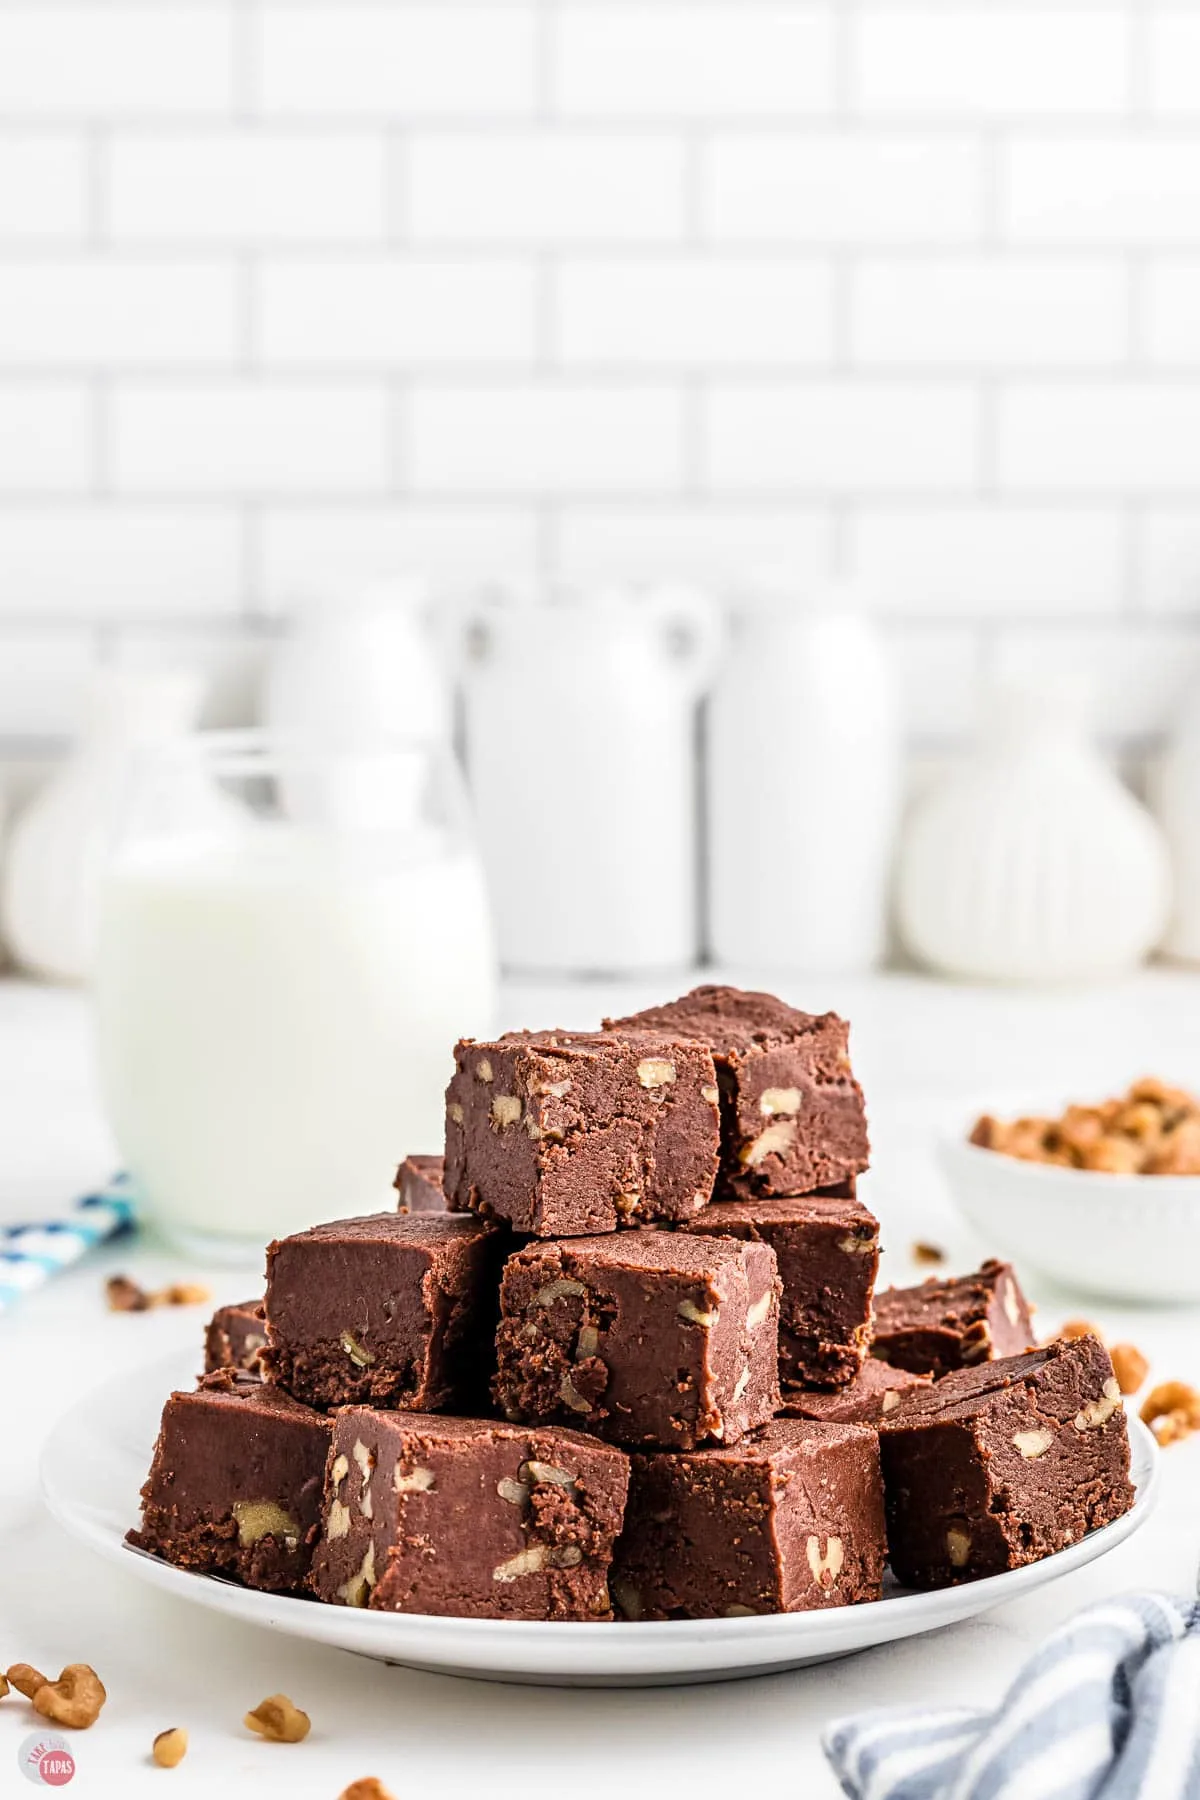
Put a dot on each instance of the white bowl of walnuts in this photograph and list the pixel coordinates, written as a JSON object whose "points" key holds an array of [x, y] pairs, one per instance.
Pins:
{"points": [[1104, 1198]]}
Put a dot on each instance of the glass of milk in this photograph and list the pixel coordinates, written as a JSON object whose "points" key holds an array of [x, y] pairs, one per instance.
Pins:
{"points": [[293, 937]]}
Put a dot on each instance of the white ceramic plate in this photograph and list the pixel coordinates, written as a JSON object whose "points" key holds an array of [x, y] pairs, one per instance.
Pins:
{"points": [[97, 1457], [1122, 1237]]}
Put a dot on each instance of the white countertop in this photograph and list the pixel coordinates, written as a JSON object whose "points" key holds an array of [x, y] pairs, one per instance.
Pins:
{"points": [[925, 1053]]}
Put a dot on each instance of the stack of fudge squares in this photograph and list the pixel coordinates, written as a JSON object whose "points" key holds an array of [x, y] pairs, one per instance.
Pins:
{"points": [[619, 1352]]}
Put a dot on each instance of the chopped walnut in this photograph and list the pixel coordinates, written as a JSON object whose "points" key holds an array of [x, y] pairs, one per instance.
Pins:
{"points": [[1172, 1411], [922, 1252], [1078, 1328], [182, 1293], [124, 1295], [170, 1747], [1168, 1428], [25, 1678], [1129, 1366], [74, 1700], [278, 1720], [1153, 1129]]}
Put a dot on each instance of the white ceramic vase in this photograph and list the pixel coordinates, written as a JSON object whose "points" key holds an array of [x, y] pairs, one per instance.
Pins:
{"points": [[1175, 796], [804, 762], [59, 845], [581, 758], [1032, 861]]}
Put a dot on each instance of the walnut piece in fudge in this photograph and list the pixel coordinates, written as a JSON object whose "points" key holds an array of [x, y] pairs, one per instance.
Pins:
{"points": [[951, 1323], [827, 1248], [236, 1481], [394, 1309], [468, 1517], [234, 1337], [567, 1135], [792, 1116], [1002, 1464], [651, 1337], [876, 1391], [790, 1519], [419, 1184]]}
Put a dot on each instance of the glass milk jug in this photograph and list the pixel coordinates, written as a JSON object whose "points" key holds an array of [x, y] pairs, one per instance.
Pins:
{"points": [[581, 756], [279, 988]]}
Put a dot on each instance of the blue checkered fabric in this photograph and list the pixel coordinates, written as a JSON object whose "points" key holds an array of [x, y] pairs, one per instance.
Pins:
{"points": [[1107, 1709], [31, 1254]]}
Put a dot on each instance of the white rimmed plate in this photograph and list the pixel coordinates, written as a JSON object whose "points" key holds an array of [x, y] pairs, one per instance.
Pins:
{"points": [[97, 1456]]}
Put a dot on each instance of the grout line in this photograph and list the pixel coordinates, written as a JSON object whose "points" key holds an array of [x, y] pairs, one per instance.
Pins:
{"points": [[603, 496], [253, 608], [546, 315], [397, 197], [489, 378], [246, 73], [740, 504], [546, 554], [545, 63], [97, 199], [988, 442], [845, 23], [101, 435], [993, 148], [844, 269], [399, 437], [1139, 66], [1113, 125], [169, 250], [1134, 603], [1137, 276], [695, 203], [247, 310], [517, 372], [841, 520], [693, 425]]}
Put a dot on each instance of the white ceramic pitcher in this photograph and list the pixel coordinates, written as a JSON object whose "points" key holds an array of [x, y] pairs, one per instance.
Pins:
{"points": [[804, 760], [581, 755]]}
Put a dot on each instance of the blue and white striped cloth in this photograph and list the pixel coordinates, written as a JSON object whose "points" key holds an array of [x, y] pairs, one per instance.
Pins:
{"points": [[1107, 1709], [31, 1254]]}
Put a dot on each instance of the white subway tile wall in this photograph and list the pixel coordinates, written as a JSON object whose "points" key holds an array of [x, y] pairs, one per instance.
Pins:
{"points": [[294, 292]]}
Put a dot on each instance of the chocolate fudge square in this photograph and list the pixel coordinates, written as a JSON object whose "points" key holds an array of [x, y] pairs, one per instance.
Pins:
{"points": [[395, 1309], [945, 1324], [792, 1116], [789, 1520], [419, 1184], [234, 1337], [566, 1135], [876, 1391], [236, 1482], [468, 1517], [1002, 1464], [827, 1248], [651, 1337]]}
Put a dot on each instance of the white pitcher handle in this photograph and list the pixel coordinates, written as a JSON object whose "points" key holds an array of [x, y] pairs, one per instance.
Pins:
{"points": [[693, 630]]}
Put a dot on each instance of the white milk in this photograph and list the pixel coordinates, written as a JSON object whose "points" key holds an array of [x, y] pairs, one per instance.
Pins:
{"points": [[276, 1022]]}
